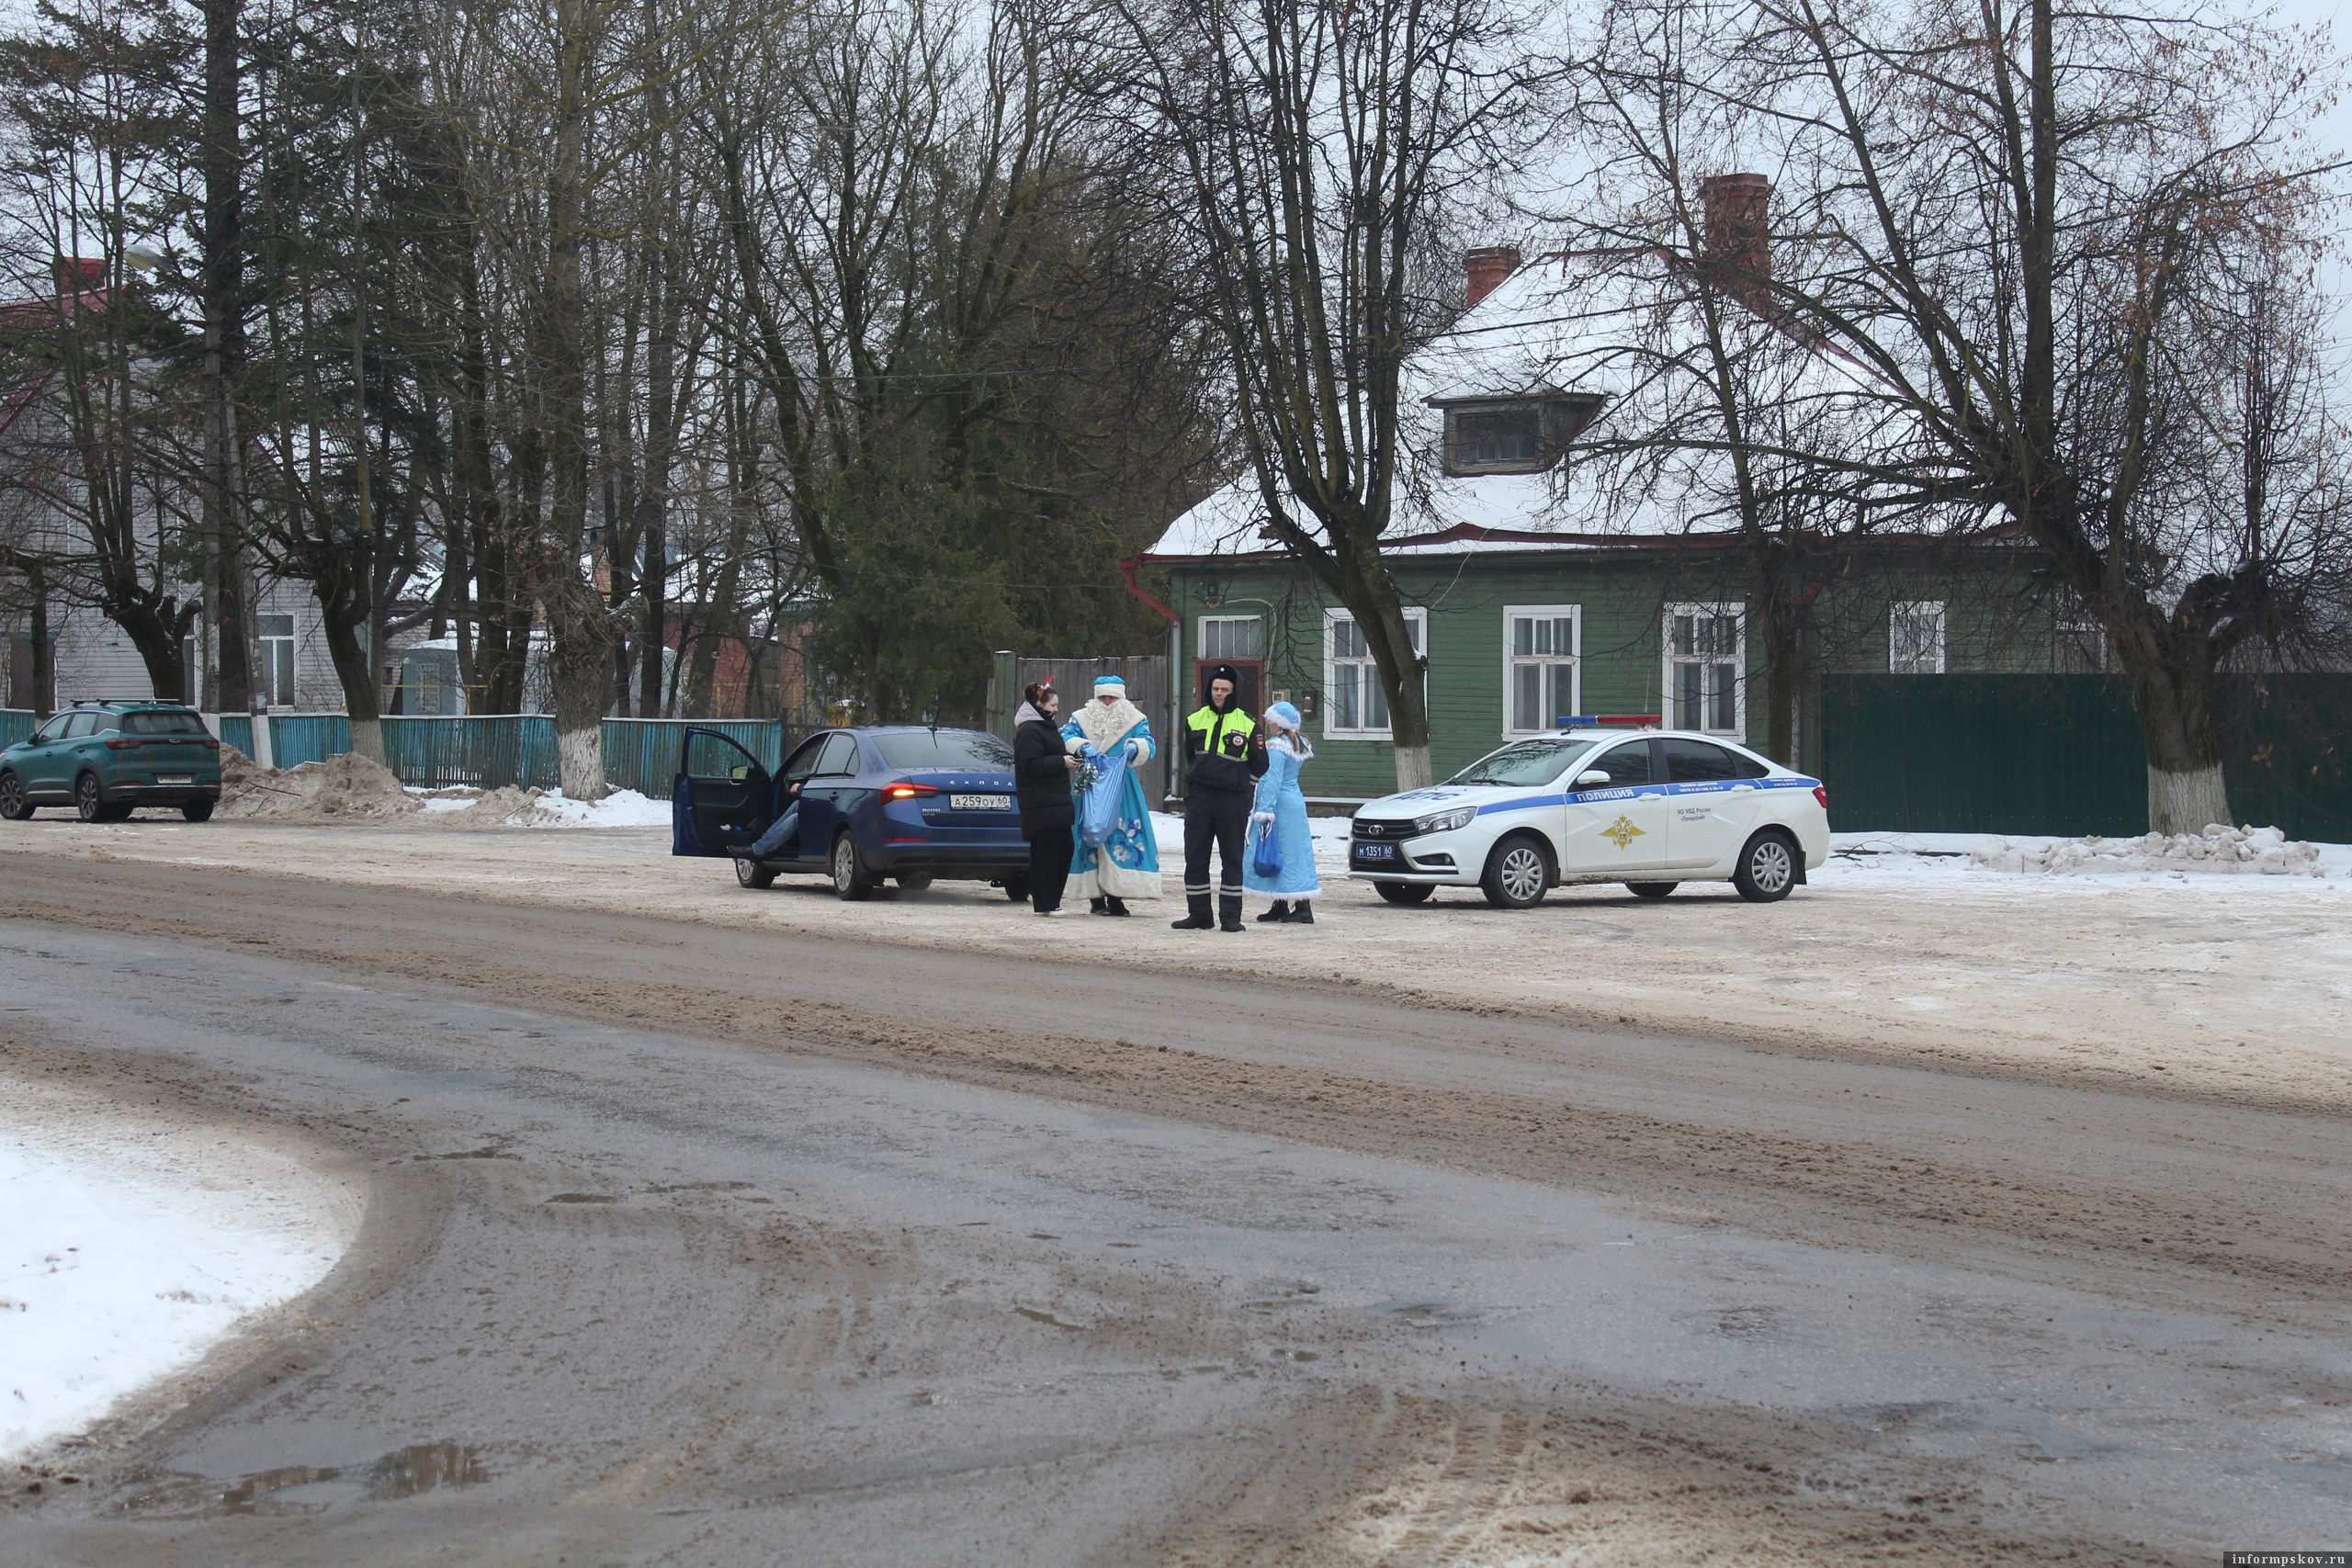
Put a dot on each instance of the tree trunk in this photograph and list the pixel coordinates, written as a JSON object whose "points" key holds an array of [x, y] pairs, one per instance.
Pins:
{"points": [[2172, 687], [355, 668]]}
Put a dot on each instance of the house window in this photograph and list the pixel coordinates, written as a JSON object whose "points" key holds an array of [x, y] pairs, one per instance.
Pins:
{"points": [[1706, 684], [275, 675], [1355, 706], [2080, 646], [1513, 436], [1542, 665], [1227, 637], [1915, 638]]}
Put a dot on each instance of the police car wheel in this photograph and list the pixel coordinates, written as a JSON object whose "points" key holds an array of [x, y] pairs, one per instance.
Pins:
{"points": [[913, 881], [1768, 868], [1517, 873], [752, 873], [1404, 891], [1651, 889], [1017, 888]]}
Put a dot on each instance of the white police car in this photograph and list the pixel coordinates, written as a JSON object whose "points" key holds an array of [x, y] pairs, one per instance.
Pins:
{"points": [[1651, 809]]}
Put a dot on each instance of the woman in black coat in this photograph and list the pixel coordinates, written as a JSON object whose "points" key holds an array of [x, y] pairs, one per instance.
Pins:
{"points": [[1041, 769]]}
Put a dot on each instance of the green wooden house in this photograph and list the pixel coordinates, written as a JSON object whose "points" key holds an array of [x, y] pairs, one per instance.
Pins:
{"points": [[1540, 592]]}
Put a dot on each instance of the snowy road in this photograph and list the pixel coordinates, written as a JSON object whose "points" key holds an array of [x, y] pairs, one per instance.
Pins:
{"points": [[688, 1245]]}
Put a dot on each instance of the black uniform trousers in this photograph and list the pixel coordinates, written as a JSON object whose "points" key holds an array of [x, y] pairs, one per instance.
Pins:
{"points": [[1218, 818], [1049, 855]]}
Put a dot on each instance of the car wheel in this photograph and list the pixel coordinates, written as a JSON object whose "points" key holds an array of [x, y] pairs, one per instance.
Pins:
{"points": [[1517, 873], [197, 810], [849, 877], [749, 872], [89, 801], [1017, 890], [14, 806], [913, 881], [1768, 868], [1651, 889], [1404, 891]]}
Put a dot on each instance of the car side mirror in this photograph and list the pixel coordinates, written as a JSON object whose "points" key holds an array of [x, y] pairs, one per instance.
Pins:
{"points": [[1592, 778]]}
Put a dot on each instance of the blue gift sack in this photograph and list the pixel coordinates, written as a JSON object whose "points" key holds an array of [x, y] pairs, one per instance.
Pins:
{"points": [[1099, 810], [1267, 858]]}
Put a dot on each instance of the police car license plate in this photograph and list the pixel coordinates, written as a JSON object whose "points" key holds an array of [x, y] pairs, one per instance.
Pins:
{"points": [[979, 802], [1375, 852], [174, 778]]}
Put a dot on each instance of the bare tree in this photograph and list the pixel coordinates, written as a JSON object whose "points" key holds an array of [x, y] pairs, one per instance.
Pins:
{"points": [[1316, 152], [2023, 216]]}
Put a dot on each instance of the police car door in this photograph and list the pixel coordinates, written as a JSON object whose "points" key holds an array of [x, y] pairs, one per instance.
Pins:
{"points": [[1715, 802], [1618, 826]]}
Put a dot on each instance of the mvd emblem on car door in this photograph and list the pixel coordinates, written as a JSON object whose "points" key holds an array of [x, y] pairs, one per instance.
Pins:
{"points": [[1622, 832]]}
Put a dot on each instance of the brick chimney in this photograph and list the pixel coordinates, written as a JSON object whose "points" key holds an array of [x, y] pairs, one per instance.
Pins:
{"points": [[77, 274], [1487, 266], [1739, 236]]}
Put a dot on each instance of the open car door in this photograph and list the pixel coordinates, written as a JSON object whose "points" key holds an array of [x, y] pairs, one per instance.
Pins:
{"points": [[722, 799]]}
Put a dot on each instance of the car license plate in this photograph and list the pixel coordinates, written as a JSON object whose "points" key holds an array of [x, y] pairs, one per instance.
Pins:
{"points": [[174, 778], [1375, 852], [980, 802]]}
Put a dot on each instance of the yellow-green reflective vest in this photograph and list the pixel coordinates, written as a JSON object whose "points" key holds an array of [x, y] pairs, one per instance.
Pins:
{"points": [[1220, 748]]}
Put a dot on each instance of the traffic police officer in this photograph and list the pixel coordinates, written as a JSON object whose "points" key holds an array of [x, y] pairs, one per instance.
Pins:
{"points": [[1224, 754]]}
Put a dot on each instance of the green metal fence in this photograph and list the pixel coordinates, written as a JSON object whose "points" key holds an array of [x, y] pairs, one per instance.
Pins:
{"points": [[16, 724], [488, 751], [643, 753], [2064, 755]]}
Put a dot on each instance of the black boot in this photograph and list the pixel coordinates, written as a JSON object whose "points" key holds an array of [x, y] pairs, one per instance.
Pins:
{"points": [[1280, 911], [1303, 912], [1094, 906], [1114, 906], [1228, 911], [1198, 918]]}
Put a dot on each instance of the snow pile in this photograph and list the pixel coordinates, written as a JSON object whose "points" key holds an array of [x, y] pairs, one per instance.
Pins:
{"points": [[125, 1252], [2264, 850], [343, 788], [510, 806]]}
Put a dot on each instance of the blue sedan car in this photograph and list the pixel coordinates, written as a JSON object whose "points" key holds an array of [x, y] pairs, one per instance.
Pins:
{"points": [[906, 802]]}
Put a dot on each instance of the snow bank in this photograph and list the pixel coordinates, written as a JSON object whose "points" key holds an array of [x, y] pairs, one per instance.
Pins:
{"points": [[2266, 851], [343, 788], [509, 807], [126, 1250]]}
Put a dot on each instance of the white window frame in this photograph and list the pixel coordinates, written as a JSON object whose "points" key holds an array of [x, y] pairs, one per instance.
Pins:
{"points": [[1574, 659], [293, 641], [1418, 619], [1201, 637], [1933, 663], [1736, 613]]}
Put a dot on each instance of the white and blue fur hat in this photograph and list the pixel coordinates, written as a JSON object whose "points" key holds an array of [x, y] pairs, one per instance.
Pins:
{"points": [[1283, 714], [1110, 683]]}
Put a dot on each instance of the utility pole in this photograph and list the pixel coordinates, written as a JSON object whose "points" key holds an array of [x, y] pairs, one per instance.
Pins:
{"points": [[227, 641]]}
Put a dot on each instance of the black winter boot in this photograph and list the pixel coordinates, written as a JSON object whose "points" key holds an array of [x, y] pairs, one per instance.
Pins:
{"points": [[1280, 911], [1094, 906], [1198, 918], [1303, 912], [1228, 911], [1111, 905]]}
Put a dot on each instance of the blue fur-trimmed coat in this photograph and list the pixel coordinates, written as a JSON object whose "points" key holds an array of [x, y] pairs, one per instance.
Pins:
{"points": [[1127, 866]]}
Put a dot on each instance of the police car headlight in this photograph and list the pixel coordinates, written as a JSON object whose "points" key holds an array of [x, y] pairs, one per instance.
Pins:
{"points": [[1447, 821]]}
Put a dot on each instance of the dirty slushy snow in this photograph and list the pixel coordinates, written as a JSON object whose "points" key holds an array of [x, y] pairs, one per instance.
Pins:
{"points": [[129, 1247]]}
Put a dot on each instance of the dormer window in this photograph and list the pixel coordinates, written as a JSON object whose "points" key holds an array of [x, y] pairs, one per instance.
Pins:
{"points": [[1512, 435]]}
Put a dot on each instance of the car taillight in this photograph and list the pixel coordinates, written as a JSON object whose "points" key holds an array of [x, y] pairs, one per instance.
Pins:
{"points": [[124, 743], [206, 741], [907, 791], [1821, 794]]}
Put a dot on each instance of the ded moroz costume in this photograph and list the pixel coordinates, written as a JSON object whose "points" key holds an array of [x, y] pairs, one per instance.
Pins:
{"points": [[1126, 863]]}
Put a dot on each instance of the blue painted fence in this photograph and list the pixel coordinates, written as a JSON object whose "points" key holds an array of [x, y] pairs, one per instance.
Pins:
{"points": [[484, 752]]}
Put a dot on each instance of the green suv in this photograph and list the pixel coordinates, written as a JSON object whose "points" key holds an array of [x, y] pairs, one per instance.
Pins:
{"points": [[105, 759]]}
